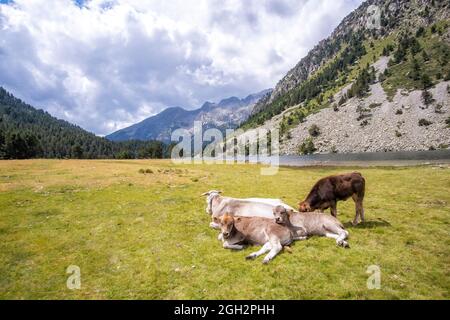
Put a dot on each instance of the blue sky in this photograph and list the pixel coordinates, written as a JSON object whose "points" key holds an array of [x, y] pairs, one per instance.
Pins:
{"points": [[107, 64]]}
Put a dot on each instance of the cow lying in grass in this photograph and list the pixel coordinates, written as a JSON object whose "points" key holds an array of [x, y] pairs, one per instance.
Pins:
{"points": [[217, 206], [311, 224], [240, 231], [329, 190]]}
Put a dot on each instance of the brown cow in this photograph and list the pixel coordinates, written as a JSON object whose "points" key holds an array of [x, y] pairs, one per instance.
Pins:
{"points": [[329, 190]]}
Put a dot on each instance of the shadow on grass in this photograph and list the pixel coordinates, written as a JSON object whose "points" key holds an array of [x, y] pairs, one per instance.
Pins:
{"points": [[368, 224]]}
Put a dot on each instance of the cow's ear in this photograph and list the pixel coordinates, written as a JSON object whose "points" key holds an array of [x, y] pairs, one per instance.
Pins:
{"points": [[205, 194], [220, 191]]}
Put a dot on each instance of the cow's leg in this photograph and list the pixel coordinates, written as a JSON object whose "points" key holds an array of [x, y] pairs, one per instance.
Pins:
{"points": [[342, 238], [357, 209], [333, 209], [339, 234], [265, 248], [359, 206], [276, 247], [228, 245]]}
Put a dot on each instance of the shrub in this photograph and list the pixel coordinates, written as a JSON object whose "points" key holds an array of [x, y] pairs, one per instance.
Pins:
{"points": [[364, 123], [447, 78], [398, 134], [433, 28], [424, 122], [144, 171], [307, 147], [399, 111], [391, 62], [342, 100], [426, 81], [447, 122], [438, 108], [427, 97], [420, 32], [314, 130], [415, 70], [290, 120]]}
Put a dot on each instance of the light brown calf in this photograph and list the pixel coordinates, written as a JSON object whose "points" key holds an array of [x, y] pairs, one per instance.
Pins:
{"points": [[312, 224], [240, 231]]}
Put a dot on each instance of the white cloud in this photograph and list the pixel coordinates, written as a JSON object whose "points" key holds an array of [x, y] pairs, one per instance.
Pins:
{"points": [[107, 64]]}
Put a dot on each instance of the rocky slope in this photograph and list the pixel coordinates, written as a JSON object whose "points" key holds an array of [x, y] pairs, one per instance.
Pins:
{"points": [[391, 125], [394, 15], [228, 113], [371, 99]]}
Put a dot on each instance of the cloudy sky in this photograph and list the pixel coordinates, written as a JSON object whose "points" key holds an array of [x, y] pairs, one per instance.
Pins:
{"points": [[107, 64]]}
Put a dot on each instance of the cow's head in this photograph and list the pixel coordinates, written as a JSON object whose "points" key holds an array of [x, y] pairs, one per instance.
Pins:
{"points": [[210, 195], [281, 214], [226, 225], [304, 207]]}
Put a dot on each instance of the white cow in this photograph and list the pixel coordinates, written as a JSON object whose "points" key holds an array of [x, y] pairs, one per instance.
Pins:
{"points": [[218, 205]]}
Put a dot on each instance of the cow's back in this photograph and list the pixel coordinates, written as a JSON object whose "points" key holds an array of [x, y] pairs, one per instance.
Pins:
{"points": [[345, 185], [252, 209], [248, 207], [313, 222], [257, 230]]}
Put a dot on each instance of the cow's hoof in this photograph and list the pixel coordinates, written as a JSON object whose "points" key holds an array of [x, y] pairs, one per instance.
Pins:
{"points": [[265, 261], [250, 257], [343, 244]]}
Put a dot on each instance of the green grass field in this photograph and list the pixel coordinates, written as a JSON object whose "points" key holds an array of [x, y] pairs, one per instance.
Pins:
{"points": [[146, 236]]}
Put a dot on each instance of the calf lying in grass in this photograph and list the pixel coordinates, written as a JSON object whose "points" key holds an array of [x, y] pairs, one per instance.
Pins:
{"points": [[239, 231], [310, 224]]}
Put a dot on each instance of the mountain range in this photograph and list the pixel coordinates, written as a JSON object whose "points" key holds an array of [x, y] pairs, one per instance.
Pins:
{"points": [[379, 82], [229, 113]]}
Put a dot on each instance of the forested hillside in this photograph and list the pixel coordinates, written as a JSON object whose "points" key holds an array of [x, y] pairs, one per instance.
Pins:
{"points": [[26, 132]]}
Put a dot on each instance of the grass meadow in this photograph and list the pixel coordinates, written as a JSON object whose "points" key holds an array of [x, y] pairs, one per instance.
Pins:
{"points": [[145, 235]]}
